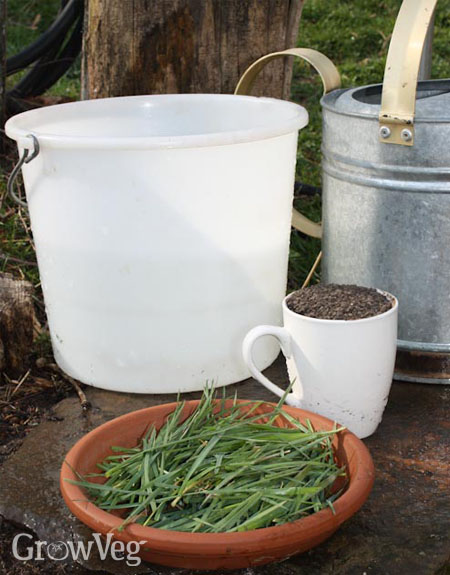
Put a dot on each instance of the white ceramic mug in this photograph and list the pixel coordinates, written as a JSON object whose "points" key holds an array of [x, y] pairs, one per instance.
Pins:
{"points": [[341, 369]]}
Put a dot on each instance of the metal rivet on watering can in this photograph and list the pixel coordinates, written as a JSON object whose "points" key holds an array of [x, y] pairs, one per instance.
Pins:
{"points": [[406, 135], [385, 132]]}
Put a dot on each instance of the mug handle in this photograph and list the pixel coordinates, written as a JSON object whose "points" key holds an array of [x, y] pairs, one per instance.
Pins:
{"points": [[330, 80], [284, 339]]}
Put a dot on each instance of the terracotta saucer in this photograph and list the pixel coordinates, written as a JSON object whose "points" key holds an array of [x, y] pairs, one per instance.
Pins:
{"points": [[213, 550]]}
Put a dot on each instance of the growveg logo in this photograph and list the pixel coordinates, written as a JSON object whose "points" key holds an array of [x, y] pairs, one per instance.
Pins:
{"points": [[63, 550]]}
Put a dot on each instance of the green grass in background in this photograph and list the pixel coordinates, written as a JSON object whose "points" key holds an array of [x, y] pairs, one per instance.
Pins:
{"points": [[353, 33]]}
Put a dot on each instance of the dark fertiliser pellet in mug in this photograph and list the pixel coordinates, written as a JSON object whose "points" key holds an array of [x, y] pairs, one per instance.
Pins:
{"points": [[334, 301]]}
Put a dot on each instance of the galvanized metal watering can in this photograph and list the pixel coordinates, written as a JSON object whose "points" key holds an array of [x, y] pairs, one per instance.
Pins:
{"points": [[386, 194]]}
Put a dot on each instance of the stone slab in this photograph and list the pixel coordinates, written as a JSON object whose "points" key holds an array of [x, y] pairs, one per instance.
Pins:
{"points": [[402, 529]]}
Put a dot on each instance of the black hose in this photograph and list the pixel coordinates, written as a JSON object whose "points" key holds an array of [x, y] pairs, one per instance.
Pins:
{"points": [[49, 69], [54, 35], [52, 54], [302, 189], [64, 61], [25, 86]]}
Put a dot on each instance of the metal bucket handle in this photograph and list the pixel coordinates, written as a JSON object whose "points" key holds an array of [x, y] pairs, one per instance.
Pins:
{"points": [[30, 145], [330, 79], [398, 99]]}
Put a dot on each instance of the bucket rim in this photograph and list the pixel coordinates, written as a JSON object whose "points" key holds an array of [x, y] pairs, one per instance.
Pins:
{"points": [[15, 127]]}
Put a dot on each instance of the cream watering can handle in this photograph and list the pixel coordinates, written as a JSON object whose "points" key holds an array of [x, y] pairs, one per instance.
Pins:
{"points": [[330, 79], [398, 99]]}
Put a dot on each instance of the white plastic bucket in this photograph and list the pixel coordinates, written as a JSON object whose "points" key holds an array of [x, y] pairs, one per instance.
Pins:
{"points": [[161, 226]]}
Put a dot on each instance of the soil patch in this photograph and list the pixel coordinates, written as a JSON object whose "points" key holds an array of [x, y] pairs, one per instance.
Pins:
{"points": [[341, 302]]}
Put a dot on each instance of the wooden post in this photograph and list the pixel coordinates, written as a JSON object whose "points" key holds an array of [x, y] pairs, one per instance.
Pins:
{"points": [[185, 46], [17, 322]]}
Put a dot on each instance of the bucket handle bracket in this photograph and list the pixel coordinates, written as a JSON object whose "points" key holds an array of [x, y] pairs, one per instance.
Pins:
{"points": [[28, 154]]}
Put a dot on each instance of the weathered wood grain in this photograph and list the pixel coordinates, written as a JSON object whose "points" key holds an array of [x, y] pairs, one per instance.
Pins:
{"points": [[185, 46], [16, 324]]}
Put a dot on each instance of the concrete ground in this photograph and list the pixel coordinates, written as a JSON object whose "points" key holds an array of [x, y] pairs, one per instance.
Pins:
{"points": [[403, 528]]}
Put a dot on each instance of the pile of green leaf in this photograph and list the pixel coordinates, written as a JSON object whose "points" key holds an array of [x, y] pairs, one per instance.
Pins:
{"points": [[220, 471]]}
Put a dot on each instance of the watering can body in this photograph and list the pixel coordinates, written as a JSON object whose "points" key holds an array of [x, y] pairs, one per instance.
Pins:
{"points": [[386, 191], [386, 195], [386, 216]]}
